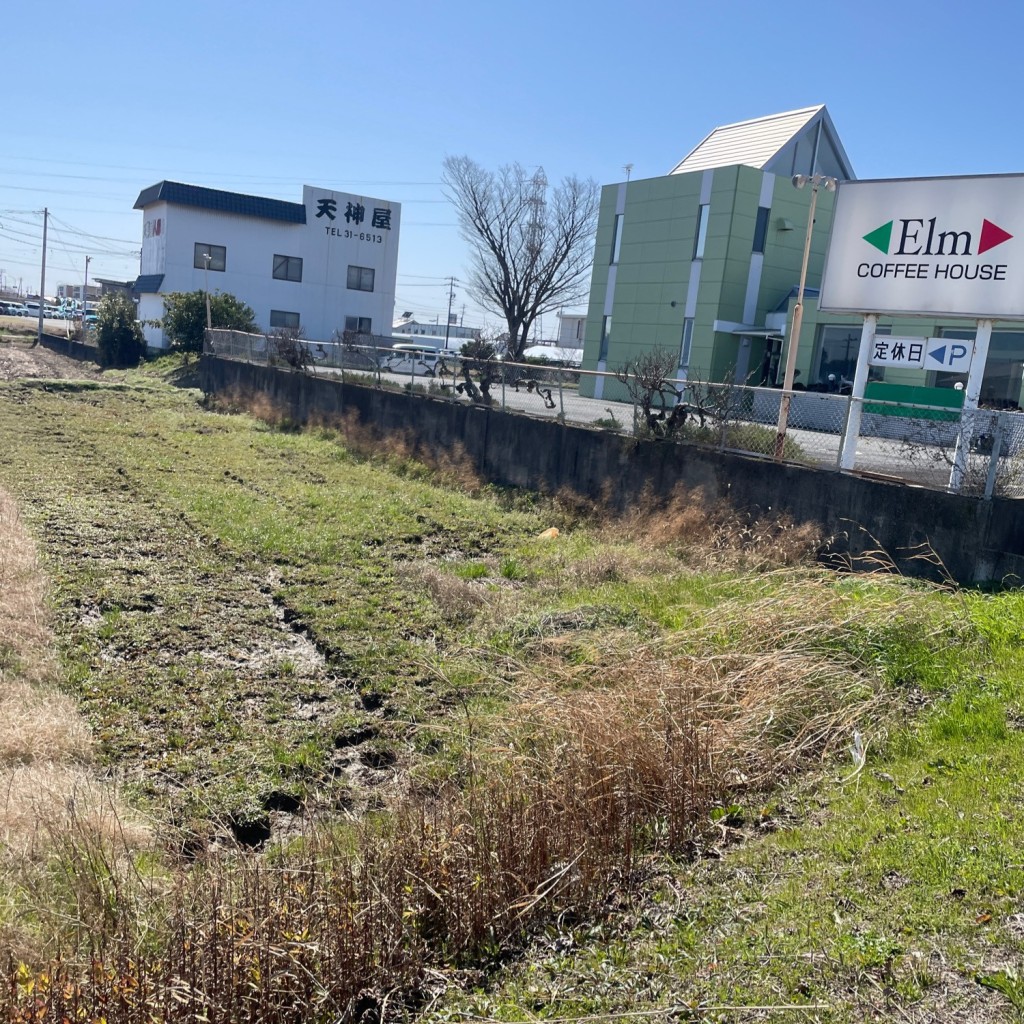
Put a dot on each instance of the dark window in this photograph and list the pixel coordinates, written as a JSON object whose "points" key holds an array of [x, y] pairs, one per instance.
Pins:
{"points": [[686, 343], [702, 232], [761, 228], [617, 238], [361, 278], [282, 318], [359, 324], [287, 268], [210, 257], [606, 335], [1004, 369], [836, 356]]}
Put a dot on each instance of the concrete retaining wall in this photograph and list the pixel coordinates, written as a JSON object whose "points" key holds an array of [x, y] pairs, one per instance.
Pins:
{"points": [[74, 349], [977, 541]]}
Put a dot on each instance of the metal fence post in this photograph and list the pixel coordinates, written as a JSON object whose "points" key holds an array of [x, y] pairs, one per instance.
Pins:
{"points": [[561, 399], [503, 388], [997, 447]]}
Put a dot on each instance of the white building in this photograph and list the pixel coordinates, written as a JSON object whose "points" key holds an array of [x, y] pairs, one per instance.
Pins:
{"points": [[571, 329], [323, 265], [457, 335]]}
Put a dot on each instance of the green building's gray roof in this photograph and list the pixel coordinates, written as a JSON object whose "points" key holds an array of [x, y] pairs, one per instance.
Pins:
{"points": [[794, 142]]}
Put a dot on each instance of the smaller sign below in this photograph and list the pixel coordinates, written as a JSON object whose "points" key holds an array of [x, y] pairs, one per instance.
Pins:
{"points": [[953, 355], [899, 353]]}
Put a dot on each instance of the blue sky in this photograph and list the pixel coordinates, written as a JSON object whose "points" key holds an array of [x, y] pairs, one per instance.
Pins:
{"points": [[104, 99]]}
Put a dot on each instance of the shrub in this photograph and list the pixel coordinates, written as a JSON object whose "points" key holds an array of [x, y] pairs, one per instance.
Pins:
{"points": [[118, 332], [184, 319]]}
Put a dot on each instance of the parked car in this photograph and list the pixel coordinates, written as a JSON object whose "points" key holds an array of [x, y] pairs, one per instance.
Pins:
{"points": [[416, 360]]}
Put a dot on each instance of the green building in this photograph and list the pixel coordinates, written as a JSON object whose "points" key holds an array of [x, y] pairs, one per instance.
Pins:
{"points": [[704, 262]]}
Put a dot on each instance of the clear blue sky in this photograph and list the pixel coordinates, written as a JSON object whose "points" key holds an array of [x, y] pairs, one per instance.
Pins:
{"points": [[104, 99]]}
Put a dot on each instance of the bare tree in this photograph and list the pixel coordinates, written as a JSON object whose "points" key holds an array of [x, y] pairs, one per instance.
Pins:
{"points": [[532, 245]]}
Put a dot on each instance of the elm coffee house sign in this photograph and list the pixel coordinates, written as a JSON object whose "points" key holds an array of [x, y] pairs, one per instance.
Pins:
{"points": [[942, 246]]}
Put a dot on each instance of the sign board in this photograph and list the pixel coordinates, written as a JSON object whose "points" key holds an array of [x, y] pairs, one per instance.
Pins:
{"points": [[950, 354], [953, 355], [899, 353], [937, 246]]}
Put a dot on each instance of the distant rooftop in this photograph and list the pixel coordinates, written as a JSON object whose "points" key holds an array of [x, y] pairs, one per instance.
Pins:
{"points": [[794, 142], [180, 194]]}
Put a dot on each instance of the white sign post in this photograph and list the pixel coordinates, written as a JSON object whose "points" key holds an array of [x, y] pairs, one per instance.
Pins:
{"points": [[949, 247]]}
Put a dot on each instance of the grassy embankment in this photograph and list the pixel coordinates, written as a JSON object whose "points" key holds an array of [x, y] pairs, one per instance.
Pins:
{"points": [[262, 626]]}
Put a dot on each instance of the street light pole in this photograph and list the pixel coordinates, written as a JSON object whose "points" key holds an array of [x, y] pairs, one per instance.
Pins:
{"points": [[816, 181], [206, 260]]}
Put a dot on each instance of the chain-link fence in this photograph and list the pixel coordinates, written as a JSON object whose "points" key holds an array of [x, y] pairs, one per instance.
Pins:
{"points": [[978, 453]]}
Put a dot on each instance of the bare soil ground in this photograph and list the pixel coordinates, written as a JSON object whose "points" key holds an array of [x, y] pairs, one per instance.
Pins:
{"points": [[20, 360]]}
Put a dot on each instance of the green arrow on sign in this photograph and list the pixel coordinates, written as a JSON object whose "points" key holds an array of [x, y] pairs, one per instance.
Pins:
{"points": [[880, 237]]}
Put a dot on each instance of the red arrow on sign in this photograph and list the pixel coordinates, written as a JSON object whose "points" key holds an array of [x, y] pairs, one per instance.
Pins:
{"points": [[991, 236]]}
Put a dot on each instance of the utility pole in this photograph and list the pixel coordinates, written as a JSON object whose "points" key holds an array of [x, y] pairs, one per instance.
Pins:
{"points": [[42, 281], [85, 291], [448, 322]]}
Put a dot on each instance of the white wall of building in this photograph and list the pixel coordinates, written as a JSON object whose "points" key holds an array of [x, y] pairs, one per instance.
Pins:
{"points": [[326, 244], [571, 329]]}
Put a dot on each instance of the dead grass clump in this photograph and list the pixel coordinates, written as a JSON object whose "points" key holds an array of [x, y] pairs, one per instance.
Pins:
{"points": [[23, 633], [711, 533], [42, 804], [457, 600], [39, 724]]}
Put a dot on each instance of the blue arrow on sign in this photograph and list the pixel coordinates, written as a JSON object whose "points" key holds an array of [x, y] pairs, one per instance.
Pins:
{"points": [[938, 353]]}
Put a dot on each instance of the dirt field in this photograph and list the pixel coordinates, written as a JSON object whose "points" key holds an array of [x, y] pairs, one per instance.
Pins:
{"points": [[19, 360]]}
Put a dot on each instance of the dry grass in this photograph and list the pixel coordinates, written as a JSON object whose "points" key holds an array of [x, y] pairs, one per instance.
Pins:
{"points": [[22, 614], [458, 600], [39, 724], [709, 534]]}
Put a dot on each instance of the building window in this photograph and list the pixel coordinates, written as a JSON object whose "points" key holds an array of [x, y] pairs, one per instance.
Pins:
{"points": [[702, 231], [287, 268], [761, 228], [606, 333], [1004, 370], [282, 318], [836, 356], [359, 324], [617, 238], [214, 255], [361, 278], [687, 342]]}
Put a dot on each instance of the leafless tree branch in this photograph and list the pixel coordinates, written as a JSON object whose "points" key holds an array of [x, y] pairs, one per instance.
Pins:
{"points": [[531, 244]]}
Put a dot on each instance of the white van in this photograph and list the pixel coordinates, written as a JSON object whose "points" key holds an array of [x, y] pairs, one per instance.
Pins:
{"points": [[416, 360]]}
